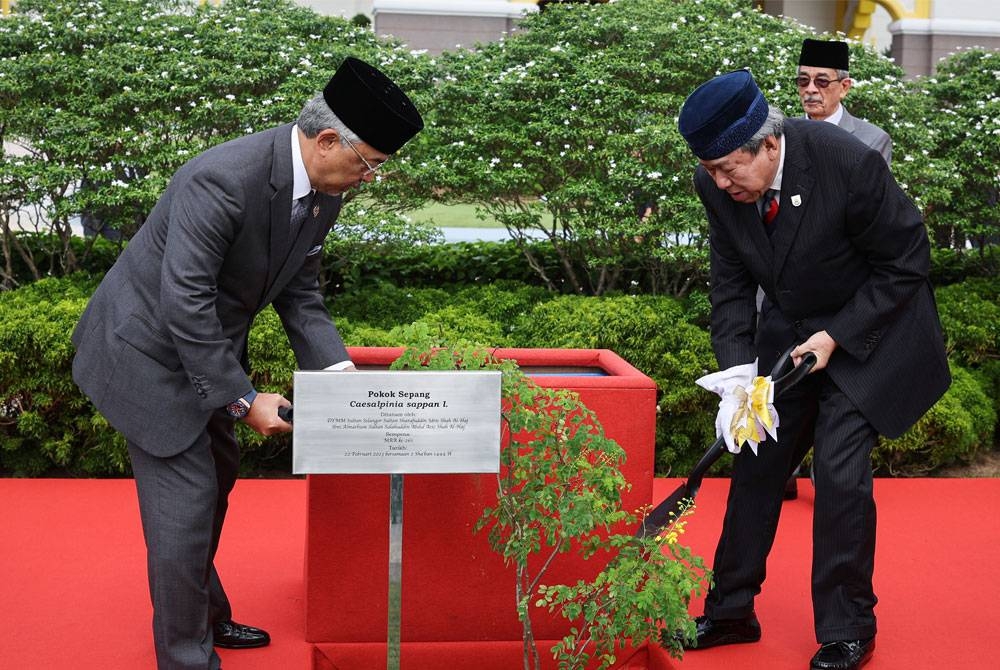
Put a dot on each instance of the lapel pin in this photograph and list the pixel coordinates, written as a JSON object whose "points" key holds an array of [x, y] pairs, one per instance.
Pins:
{"points": [[316, 210], [796, 200]]}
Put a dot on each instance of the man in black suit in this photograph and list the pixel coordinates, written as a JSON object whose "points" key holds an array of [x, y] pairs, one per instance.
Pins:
{"points": [[162, 345], [843, 258]]}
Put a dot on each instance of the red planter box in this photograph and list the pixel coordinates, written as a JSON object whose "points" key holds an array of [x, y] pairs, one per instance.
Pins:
{"points": [[457, 594]]}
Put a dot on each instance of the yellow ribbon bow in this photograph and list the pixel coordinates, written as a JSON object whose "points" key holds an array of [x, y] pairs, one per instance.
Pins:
{"points": [[753, 415]]}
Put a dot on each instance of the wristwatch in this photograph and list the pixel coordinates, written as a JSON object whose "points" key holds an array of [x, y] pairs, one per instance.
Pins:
{"points": [[240, 407]]}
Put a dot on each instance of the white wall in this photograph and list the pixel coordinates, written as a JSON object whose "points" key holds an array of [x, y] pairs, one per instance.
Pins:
{"points": [[344, 8]]}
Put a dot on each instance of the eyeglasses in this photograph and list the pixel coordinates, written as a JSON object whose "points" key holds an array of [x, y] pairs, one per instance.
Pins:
{"points": [[371, 168], [802, 81]]}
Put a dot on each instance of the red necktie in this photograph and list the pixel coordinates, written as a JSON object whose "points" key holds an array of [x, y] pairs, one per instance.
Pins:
{"points": [[770, 208]]}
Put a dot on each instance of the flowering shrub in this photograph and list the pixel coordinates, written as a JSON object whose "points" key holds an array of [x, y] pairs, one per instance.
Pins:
{"points": [[575, 116], [966, 92], [107, 98]]}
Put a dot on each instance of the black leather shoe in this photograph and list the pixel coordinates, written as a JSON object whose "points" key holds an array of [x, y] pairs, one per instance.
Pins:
{"points": [[717, 632], [843, 655], [232, 635], [792, 488]]}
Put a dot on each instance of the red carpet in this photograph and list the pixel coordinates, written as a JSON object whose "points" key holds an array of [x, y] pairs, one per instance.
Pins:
{"points": [[73, 591]]}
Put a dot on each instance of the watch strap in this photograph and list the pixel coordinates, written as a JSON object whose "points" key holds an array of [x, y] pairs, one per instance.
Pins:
{"points": [[240, 407]]}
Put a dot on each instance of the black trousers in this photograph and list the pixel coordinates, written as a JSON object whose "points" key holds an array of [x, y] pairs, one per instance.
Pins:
{"points": [[183, 501], [843, 518]]}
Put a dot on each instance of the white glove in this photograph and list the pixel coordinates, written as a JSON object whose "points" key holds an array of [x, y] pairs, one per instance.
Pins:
{"points": [[746, 411]]}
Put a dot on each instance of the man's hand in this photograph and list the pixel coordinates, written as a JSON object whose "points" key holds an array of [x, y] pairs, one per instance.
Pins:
{"points": [[820, 344], [263, 415]]}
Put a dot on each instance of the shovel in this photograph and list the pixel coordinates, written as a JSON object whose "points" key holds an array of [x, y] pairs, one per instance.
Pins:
{"points": [[784, 377]]}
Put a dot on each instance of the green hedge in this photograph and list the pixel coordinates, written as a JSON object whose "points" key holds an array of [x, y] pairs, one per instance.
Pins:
{"points": [[653, 334], [47, 426], [46, 423], [970, 315], [348, 265]]}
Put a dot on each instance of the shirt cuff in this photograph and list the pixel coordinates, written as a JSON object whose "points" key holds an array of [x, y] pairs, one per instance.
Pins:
{"points": [[342, 365]]}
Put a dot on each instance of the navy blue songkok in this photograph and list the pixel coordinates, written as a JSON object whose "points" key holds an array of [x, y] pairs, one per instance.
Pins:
{"points": [[722, 114]]}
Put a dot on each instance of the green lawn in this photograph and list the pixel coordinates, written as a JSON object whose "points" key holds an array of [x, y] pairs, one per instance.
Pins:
{"points": [[452, 216], [458, 216]]}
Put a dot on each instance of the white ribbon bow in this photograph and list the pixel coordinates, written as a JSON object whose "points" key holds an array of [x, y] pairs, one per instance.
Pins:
{"points": [[746, 411]]}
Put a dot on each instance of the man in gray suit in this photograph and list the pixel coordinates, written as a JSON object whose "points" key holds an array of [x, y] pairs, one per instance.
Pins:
{"points": [[162, 345], [823, 81], [843, 258]]}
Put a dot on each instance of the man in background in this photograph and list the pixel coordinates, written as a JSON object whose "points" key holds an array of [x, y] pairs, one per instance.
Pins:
{"points": [[162, 345], [823, 81]]}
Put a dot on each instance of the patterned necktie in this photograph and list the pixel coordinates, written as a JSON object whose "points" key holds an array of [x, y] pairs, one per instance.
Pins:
{"points": [[300, 210], [769, 208]]}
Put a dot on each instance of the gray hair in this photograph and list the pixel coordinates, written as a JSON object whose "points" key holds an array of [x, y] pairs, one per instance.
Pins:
{"points": [[774, 125], [316, 116]]}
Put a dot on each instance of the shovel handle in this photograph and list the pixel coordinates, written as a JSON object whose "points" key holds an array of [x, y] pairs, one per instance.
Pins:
{"points": [[783, 380], [285, 413]]}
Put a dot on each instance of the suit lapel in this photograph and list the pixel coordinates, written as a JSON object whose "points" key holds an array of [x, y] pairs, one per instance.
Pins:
{"points": [[280, 215], [848, 122], [749, 221], [280, 211], [796, 187], [323, 210]]}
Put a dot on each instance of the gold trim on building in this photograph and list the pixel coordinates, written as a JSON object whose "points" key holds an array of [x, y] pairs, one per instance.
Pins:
{"points": [[859, 23]]}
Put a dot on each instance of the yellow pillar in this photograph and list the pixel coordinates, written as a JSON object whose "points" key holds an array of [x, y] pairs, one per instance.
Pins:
{"points": [[862, 19]]}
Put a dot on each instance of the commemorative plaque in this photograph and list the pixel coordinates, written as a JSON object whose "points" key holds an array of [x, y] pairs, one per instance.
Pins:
{"points": [[428, 422], [396, 423]]}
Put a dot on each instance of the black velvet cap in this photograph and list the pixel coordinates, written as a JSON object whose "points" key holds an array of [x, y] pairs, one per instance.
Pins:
{"points": [[722, 114], [820, 53], [372, 106]]}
